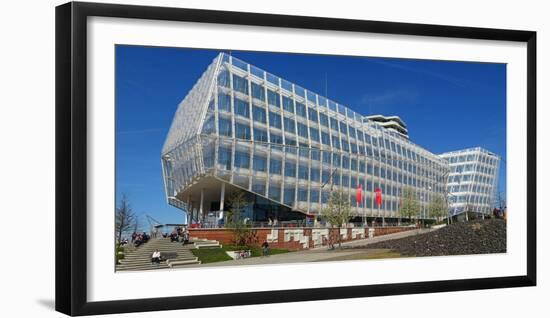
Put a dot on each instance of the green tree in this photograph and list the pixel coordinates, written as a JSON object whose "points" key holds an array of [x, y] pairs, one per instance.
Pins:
{"points": [[438, 207], [338, 211], [409, 203]]}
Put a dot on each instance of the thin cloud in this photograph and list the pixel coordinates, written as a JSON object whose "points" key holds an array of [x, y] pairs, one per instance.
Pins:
{"points": [[450, 79]]}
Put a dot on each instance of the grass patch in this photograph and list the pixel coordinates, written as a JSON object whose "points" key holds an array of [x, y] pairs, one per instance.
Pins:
{"points": [[212, 255], [254, 250]]}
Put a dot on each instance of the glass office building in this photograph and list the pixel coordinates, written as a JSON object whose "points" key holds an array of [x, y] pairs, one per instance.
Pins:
{"points": [[472, 181], [288, 148]]}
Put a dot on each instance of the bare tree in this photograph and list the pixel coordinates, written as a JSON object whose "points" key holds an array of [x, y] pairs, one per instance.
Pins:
{"points": [[124, 218], [338, 211]]}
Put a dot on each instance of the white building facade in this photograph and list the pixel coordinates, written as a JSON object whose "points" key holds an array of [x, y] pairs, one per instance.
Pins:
{"points": [[287, 147], [472, 182]]}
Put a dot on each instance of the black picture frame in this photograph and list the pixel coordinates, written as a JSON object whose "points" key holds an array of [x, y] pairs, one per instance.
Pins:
{"points": [[71, 157]]}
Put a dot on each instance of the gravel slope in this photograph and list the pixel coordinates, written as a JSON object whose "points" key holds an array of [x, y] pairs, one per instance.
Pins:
{"points": [[474, 237]]}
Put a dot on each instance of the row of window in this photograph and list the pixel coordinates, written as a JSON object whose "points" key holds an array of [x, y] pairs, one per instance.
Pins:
{"points": [[473, 157], [257, 90], [301, 110], [302, 171], [473, 168], [243, 131], [466, 188], [470, 177]]}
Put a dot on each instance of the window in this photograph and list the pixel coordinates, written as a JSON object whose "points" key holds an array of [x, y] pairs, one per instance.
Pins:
{"points": [[315, 154], [224, 158], [258, 92], [301, 109], [260, 163], [315, 175], [208, 126], [345, 145], [242, 131], [325, 177], [240, 84], [274, 120], [336, 160], [314, 196], [344, 129], [224, 127], [290, 141], [258, 186], [260, 135], [275, 191], [286, 85], [275, 166], [314, 134], [258, 114], [273, 98], [289, 125], [345, 162], [303, 172], [299, 91], [290, 169], [360, 135], [323, 119], [332, 105], [326, 158], [353, 164], [302, 195], [325, 138], [241, 107], [302, 130], [336, 178], [242, 159], [288, 195], [352, 132], [275, 138], [333, 124], [312, 113], [335, 142], [288, 104], [353, 147], [223, 78], [224, 102], [272, 79], [311, 97], [342, 109]]}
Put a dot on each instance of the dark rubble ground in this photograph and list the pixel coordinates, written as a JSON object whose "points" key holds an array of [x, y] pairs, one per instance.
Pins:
{"points": [[474, 237]]}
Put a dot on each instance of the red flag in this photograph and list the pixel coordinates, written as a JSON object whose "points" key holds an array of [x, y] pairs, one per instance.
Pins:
{"points": [[378, 192], [359, 196]]}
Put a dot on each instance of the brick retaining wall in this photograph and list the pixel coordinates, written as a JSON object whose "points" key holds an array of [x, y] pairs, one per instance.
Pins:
{"points": [[226, 236]]}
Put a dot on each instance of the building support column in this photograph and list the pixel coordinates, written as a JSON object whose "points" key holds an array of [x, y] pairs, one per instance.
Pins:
{"points": [[189, 211], [222, 197], [201, 212]]}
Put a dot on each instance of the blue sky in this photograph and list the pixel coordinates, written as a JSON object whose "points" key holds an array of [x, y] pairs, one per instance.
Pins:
{"points": [[447, 105]]}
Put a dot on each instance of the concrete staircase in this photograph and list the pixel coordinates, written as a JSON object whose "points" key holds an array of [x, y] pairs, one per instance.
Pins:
{"points": [[137, 259]]}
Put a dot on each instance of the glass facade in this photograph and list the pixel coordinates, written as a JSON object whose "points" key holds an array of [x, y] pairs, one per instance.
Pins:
{"points": [[472, 180], [245, 127]]}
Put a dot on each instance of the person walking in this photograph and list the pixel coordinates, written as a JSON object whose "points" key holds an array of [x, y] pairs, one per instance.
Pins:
{"points": [[265, 249]]}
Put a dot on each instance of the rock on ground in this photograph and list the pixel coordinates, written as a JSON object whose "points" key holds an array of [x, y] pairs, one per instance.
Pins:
{"points": [[474, 237]]}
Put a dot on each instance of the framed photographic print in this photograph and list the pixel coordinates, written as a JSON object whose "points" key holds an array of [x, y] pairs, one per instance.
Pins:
{"points": [[330, 158]]}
